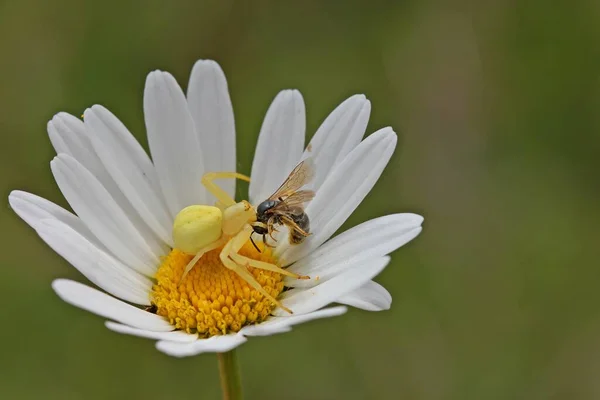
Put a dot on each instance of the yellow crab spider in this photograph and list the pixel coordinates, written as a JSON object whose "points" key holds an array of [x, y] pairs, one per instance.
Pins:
{"points": [[199, 228]]}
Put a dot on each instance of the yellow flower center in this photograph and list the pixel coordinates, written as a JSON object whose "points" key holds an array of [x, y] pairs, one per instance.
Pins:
{"points": [[211, 299]]}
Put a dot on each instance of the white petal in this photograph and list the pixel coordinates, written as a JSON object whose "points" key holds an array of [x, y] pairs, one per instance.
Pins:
{"points": [[173, 142], [215, 344], [70, 136], [371, 239], [173, 336], [321, 270], [345, 188], [371, 297], [284, 324], [341, 132], [130, 167], [123, 139], [96, 265], [58, 142], [210, 106], [99, 303], [302, 301], [279, 146], [33, 209], [325, 273], [102, 215]]}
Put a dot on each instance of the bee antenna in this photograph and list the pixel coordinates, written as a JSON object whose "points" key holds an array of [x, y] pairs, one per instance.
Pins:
{"points": [[254, 244]]}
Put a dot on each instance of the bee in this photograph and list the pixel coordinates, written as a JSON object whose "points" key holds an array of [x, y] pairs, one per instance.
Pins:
{"points": [[285, 207]]}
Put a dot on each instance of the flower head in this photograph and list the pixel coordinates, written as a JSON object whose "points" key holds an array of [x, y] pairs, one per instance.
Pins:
{"points": [[125, 203]]}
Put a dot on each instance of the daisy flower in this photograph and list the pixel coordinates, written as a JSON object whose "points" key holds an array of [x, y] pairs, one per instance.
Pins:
{"points": [[124, 202]]}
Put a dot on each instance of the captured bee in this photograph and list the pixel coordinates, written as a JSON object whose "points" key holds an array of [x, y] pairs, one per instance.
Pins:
{"points": [[286, 206]]}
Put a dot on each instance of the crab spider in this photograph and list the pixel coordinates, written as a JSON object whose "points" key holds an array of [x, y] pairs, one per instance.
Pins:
{"points": [[198, 229]]}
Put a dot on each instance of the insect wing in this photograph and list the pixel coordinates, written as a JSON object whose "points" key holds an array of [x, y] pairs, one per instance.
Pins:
{"points": [[299, 198], [300, 176]]}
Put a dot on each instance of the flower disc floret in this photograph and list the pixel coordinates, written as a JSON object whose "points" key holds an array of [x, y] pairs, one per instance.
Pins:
{"points": [[211, 299]]}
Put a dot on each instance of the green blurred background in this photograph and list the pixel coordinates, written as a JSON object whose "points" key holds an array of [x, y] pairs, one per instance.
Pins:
{"points": [[496, 106]]}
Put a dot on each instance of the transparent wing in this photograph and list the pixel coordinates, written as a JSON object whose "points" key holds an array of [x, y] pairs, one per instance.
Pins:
{"points": [[299, 198], [300, 176]]}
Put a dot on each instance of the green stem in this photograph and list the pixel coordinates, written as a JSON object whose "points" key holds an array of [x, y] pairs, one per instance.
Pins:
{"points": [[230, 376]]}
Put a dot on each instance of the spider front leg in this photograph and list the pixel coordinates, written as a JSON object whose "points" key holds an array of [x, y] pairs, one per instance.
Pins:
{"points": [[222, 197], [249, 262], [234, 246], [248, 277], [228, 254]]}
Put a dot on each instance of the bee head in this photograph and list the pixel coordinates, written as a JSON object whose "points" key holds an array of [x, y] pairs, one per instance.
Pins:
{"points": [[260, 228]]}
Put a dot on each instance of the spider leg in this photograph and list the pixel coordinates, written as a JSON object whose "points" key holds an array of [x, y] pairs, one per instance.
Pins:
{"points": [[222, 197], [198, 256], [231, 248], [243, 260]]}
